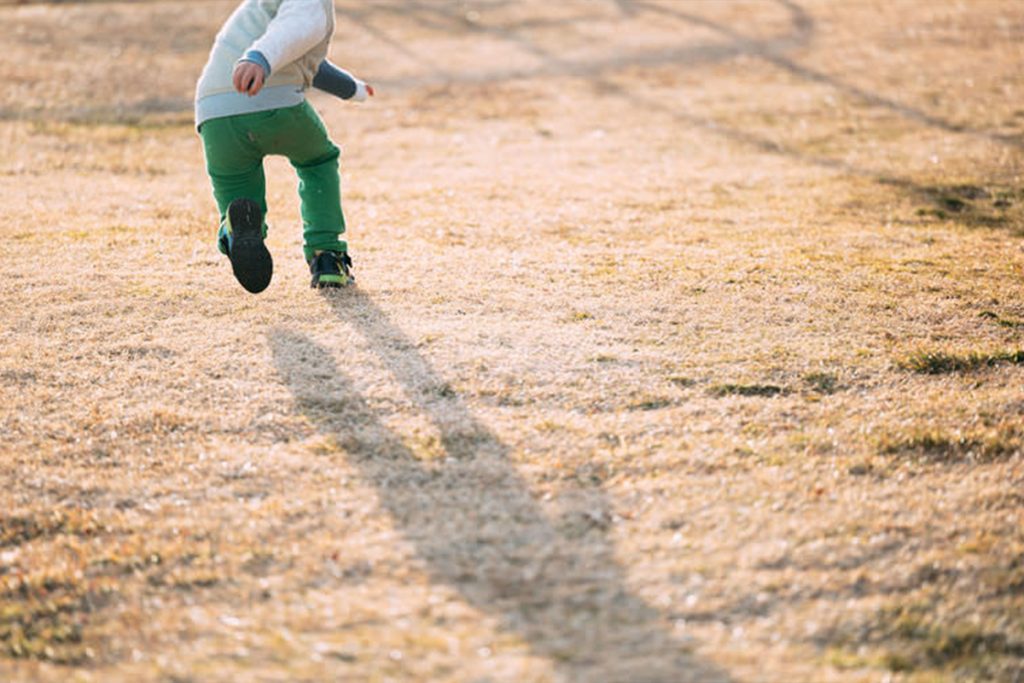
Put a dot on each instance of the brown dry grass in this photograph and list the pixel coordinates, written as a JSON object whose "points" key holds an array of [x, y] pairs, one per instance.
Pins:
{"points": [[686, 347]]}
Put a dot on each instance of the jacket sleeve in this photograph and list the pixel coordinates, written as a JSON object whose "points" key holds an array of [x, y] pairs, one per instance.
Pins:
{"points": [[338, 82], [298, 27]]}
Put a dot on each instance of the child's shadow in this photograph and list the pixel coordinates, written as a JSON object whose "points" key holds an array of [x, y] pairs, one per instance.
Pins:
{"points": [[473, 520]]}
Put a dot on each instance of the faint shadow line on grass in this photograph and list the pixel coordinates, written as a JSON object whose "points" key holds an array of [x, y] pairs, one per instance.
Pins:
{"points": [[427, 15], [772, 55], [473, 520], [801, 32]]}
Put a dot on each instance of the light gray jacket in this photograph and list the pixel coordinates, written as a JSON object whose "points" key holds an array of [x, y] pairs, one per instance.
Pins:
{"points": [[291, 37]]}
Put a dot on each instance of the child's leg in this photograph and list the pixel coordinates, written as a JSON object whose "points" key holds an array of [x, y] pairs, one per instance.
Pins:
{"points": [[323, 222], [300, 135], [234, 163]]}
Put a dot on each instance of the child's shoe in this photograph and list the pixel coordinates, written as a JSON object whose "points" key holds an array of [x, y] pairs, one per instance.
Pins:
{"points": [[224, 237], [331, 269], [241, 238]]}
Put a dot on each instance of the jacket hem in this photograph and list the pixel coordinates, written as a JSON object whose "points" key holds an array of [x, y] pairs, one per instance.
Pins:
{"points": [[233, 103]]}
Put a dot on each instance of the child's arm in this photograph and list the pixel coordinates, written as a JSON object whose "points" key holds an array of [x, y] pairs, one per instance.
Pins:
{"points": [[340, 83], [296, 29]]}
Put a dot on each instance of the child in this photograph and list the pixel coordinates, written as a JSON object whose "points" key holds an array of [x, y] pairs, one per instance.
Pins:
{"points": [[250, 103]]}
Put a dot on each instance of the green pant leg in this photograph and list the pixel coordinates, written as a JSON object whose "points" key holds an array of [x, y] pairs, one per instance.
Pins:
{"points": [[323, 221], [299, 134], [234, 164]]}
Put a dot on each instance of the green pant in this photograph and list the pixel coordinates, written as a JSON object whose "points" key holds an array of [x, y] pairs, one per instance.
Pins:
{"points": [[236, 145]]}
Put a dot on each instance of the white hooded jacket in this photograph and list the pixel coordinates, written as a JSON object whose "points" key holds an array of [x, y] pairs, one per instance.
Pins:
{"points": [[292, 36]]}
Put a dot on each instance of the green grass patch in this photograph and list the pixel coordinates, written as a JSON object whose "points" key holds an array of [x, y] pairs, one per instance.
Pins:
{"points": [[48, 613], [650, 404], [918, 640], [941, 446], [766, 390], [972, 204], [1000, 320], [18, 529], [42, 617], [822, 382], [914, 638], [942, 362]]}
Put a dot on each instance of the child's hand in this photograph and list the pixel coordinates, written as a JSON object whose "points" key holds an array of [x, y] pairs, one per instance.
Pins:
{"points": [[248, 78], [363, 91]]}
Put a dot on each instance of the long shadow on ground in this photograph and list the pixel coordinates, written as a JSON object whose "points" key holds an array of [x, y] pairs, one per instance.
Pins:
{"points": [[474, 521]]}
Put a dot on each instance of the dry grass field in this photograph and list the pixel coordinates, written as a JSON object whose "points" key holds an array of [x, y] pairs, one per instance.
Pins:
{"points": [[688, 345]]}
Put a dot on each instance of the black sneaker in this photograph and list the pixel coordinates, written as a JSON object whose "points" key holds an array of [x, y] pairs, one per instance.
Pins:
{"points": [[331, 269], [250, 260]]}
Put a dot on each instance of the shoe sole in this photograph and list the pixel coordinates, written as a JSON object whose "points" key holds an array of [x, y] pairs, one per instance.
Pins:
{"points": [[250, 261]]}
